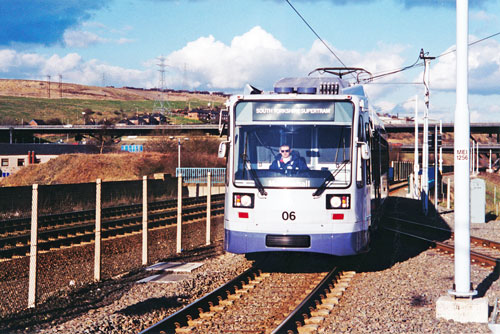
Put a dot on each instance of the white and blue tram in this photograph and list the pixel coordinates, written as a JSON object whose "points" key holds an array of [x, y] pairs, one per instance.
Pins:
{"points": [[325, 200]]}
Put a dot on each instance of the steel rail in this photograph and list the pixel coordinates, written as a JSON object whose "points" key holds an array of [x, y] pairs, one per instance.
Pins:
{"points": [[86, 226], [193, 310], [297, 316], [47, 221], [482, 259], [72, 235], [474, 240]]}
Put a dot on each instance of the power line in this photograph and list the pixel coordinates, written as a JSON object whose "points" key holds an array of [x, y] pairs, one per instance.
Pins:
{"points": [[315, 33], [475, 42]]}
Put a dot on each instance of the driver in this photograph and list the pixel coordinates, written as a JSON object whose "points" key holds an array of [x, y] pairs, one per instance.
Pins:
{"points": [[288, 160]]}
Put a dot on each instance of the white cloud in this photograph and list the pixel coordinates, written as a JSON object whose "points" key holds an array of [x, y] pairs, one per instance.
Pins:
{"points": [[483, 16], [124, 40], [484, 69], [81, 39], [7, 59], [11, 60], [250, 57], [258, 58], [72, 67]]}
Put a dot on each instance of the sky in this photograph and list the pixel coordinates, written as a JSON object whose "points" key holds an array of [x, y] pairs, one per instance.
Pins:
{"points": [[221, 45]]}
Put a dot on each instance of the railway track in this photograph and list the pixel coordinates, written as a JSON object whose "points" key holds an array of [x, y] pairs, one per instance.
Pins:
{"points": [[262, 301], [483, 252], [73, 228]]}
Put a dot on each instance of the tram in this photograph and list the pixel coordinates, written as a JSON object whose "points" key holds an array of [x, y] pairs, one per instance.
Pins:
{"points": [[307, 168]]}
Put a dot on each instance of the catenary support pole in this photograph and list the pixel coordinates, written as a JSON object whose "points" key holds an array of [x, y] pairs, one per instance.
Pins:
{"points": [[461, 159], [33, 248], [97, 248], [209, 207], [425, 148], [441, 148], [471, 164], [477, 157], [489, 164], [436, 167], [425, 165], [144, 220], [416, 168]]}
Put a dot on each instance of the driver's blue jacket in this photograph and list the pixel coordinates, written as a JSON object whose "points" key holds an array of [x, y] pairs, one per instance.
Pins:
{"points": [[295, 163]]}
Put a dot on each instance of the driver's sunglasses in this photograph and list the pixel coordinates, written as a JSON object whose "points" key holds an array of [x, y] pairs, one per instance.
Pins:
{"points": [[284, 151]]}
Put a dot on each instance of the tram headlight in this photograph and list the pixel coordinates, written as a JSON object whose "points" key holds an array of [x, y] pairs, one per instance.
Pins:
{"points": [[243, 200], [335, 201]]}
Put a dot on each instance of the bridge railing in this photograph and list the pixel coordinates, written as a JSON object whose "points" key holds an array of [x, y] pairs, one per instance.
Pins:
{"points": [[199, 175]]}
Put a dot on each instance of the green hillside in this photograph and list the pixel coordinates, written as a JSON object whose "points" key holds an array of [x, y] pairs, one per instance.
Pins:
{"points": [[14, 110]]}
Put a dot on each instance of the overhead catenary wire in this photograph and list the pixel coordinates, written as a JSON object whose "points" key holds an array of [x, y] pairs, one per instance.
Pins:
{"points": [[472, 43], [419, 64], [317, 35]]}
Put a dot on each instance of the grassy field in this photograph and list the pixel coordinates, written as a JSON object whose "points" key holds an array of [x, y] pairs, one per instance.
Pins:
{"points": [[17, 109]]}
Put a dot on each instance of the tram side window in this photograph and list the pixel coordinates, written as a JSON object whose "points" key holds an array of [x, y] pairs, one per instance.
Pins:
{"points": [[368, 161], [360, 166]]}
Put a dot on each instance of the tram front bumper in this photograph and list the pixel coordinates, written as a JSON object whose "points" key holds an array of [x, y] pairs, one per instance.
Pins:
{"points": [[340, 244]]}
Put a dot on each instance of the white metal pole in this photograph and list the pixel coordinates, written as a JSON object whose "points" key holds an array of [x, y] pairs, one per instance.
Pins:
{"points": [[144, 220], [461, 159], [425, 152], [473, 158], [33, 248], [441, 156], [441, 148], [97, 246], [416, 168], [209, 207], [179, 153], [489, 165], [179, 213], [477, 157], [435, 166]]}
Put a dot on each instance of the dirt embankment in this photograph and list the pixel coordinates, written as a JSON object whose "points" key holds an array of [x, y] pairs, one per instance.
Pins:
{"points": [[54, 89], [78, 168]]}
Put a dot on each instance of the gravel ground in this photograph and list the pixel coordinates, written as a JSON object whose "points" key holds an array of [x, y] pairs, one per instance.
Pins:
{"points": [[395, 291], [144, 304]]}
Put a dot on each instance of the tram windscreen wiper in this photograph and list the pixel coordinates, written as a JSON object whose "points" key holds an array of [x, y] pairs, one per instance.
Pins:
{"points": [[253, 174], [329, 178]]}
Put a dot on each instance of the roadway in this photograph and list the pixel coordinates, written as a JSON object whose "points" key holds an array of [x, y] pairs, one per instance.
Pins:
{"points": [[479, 128], [9, 133], [483, 148]]}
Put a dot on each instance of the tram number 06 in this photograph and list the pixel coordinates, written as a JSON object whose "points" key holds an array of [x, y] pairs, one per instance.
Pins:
{"points": [[285, 215]]}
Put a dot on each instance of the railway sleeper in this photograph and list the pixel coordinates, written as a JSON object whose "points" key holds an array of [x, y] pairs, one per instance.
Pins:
{"points": [[311, 328]]}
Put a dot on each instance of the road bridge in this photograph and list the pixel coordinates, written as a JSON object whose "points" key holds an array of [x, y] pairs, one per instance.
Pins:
{"points": [[10, 133], [483, 148], [475, 128]]}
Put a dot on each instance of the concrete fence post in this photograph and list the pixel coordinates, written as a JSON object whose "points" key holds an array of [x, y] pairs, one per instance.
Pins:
{"points": [[97, 248], [448, 191], [179, 213], [144, 220], [33, 248], [209, 207], [495, 201]]}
